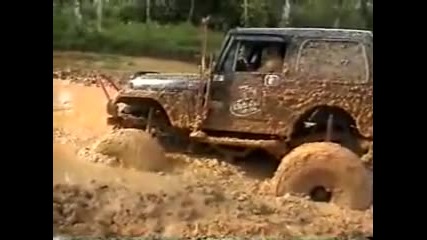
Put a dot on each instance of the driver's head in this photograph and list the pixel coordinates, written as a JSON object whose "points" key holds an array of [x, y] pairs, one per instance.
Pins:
{"points": [[272, 59]]}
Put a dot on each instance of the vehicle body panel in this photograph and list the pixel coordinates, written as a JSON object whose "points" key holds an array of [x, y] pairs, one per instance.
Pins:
{"points": [[273, 108], [176, 93], [270, 103]]}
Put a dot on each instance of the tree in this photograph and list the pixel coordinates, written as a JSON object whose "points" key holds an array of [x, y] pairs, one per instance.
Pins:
{"points": [[255, 13], [98, 5], [245, 13], [286, 14], [338, 10], [77, 13], [191, 12], [225, 14], [148, 11], [365, 12]]}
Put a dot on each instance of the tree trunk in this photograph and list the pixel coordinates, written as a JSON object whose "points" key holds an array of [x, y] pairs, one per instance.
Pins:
{"points": [[99, 7], [337, 22], [147, 11], [77, 12], [191, 12], [245, 13], [286, 14], [364, 11], [338, 7], [359, 4]]}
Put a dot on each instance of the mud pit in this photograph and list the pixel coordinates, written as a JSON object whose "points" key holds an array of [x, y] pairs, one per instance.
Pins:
{"points": [[196, 197]]}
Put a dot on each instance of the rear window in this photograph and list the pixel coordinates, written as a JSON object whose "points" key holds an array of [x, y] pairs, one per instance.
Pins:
{"points": [[333, 60]]}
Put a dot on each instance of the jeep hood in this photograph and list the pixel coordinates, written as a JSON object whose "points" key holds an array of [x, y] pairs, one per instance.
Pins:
{"points": [[168, 81]]}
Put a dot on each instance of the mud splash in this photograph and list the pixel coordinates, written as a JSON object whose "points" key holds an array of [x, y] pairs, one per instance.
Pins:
{"points": [[80, 110], [201, 197], [69, 169]]}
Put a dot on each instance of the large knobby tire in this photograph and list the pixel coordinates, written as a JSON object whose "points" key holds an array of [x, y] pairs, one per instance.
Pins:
{"points": [[133, 148], [327, 165], [346, 140]]}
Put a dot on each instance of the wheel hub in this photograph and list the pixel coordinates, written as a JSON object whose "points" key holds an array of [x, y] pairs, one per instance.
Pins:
{"points": [[320, 194]]}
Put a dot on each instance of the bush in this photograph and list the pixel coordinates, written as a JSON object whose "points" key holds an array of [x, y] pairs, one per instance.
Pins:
{"points": [[180, 41], [125, 31]]}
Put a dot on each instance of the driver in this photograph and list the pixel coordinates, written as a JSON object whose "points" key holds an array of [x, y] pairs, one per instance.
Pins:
{"points": [[242, 64], [272, 60]]}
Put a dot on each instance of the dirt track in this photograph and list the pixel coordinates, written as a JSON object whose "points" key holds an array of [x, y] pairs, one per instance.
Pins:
{"points": [[197, 197]]}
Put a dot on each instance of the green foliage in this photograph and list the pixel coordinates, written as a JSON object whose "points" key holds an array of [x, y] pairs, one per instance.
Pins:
{"points": [[325, 13], [169, 35], [134, 39], [257, 13]]}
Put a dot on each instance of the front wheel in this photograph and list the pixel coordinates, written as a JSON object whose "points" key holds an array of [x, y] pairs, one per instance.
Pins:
{"points": [[154, 122], [133, 148]]}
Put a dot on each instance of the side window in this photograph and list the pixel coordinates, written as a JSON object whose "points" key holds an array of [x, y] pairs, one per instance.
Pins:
{"points": [[334, 60], [255, 56], [228, 65]]}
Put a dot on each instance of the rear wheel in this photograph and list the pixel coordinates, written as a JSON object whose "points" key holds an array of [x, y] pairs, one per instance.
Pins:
{"points": [[345, 139], [330, 124], [326, 172]]}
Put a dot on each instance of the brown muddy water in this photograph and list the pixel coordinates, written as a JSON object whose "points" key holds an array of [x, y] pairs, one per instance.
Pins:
{"points": [[80, 110]]}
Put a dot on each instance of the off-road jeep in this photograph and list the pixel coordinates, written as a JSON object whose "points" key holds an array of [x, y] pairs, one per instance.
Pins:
{"points": [[295, 93]]}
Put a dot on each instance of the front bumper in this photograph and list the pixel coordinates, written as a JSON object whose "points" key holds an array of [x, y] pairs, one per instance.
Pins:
{"points": [[126, 122], [112, 109], [114, 121]]}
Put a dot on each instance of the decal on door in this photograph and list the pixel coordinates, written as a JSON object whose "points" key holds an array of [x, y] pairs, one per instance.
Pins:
{"points": [[271, 80], [247, 103]]}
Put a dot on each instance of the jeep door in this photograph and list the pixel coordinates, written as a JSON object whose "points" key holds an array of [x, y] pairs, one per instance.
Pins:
{"points": [[237, 95]]}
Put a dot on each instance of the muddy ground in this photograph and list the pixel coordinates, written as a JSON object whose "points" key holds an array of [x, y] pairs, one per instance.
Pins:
{"points": [[197, 196]]}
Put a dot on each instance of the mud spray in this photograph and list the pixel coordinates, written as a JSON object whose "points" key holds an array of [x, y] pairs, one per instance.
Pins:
{"points": [[194, 197]]}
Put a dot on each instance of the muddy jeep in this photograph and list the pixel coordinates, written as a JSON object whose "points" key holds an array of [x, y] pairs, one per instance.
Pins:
{"points": [[303, 96]]}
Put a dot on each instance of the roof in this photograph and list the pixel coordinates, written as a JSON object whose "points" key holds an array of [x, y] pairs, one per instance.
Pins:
{"points": [[306, 32]]}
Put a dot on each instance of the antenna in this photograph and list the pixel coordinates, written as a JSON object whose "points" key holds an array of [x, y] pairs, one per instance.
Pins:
{"points": [[202, 104], [205, 21]]}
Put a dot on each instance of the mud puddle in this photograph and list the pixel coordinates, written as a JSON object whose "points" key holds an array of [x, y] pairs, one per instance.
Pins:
{"points": [[201, 197], [80, 110], [68, 169]]}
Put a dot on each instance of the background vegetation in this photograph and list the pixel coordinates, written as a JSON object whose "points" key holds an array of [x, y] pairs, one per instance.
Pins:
{"points": [[169, 28]]}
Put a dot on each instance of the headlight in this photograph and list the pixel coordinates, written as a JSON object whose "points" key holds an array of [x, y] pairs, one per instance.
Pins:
{"points": [[112, 108]]}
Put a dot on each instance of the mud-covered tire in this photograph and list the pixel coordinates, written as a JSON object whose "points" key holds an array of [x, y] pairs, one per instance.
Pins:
{"points": [[133, 148], [328, 165], [346, 140]]}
